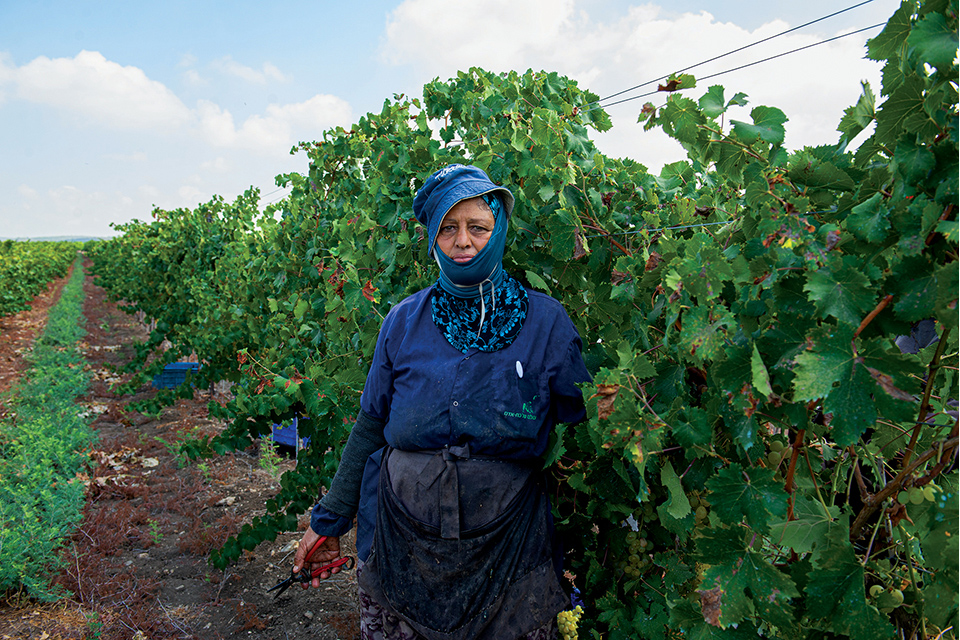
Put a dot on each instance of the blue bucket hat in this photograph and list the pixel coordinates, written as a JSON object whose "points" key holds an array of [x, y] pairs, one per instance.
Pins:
{"points": [[447, 187]]}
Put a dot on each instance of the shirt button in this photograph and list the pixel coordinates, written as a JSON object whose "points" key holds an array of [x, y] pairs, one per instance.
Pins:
{"points": [[456, 404]]}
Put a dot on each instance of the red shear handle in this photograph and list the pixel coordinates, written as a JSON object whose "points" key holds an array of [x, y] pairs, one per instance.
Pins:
{"points": [[339, 562]]}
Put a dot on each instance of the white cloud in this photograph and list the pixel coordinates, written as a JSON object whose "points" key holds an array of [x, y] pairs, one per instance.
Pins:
{"points": [[812, 87], [70, 199], [493, 34], [191, 195], [101, 90], [216, 123], [148, 192], [217, 165], [69, 210], [194, 79], [137, 157], [279, 128], [267, 73], [27, 193], [6, 74], [120, 97], [6, 68]]}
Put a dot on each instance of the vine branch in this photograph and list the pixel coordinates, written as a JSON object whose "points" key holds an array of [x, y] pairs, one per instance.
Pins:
{"points": [[873, 314], [872, 503], [925, 404], [791, 470]]}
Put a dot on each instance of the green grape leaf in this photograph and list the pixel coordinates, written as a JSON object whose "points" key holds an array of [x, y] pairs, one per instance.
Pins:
{"points": [[828, 360], [869, 220], [851, 406], [948, 284], [810, 527], [740, 422], [730, 164], [702, 333], [913, 161], [695, 433], [555, 448], [687, 615], [300, 308], [893, 117], [836, 597], [934, 41], [677, 504], [949, 229], [935, 524], [916, 300], [767, 126], [889, 41], [752, 494], [859, 116], [684, 118], [841, 291], [739, 99], [537, 281], [821, 175], [711, 103], [737, 369], [562, 226], [746, 584], [761, 379], [650, 623], [577, 141]]}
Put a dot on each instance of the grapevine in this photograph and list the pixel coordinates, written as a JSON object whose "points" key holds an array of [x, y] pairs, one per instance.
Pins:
{"points": [[761, 456], [27, 267]]}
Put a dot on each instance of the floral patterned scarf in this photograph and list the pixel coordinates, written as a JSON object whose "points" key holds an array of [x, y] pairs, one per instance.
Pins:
{"points": [[459, 318]]}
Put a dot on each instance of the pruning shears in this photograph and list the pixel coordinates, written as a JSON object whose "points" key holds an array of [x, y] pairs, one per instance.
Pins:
{"points": [[306, 576]]}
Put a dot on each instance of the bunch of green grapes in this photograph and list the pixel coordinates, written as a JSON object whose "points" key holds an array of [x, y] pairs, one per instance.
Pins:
{"points": [[778, 453], [699, 505], [637, 557], [918, 495], [886, 599], [638, 550], [567, 622]]}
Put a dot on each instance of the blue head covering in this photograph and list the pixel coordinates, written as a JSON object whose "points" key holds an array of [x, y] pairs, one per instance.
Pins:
{"points": [[445, 188]]}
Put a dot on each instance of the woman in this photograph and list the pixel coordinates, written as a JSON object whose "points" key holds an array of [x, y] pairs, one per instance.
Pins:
{"points": [[442, 468]]}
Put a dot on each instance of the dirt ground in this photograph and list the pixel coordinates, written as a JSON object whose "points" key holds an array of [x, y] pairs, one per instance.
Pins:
{"points": [[137, 567]]}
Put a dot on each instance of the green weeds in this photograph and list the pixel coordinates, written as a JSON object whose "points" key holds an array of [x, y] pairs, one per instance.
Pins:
{"points": [[270, 458], [42, 452], [153, 530], [173, 448]]}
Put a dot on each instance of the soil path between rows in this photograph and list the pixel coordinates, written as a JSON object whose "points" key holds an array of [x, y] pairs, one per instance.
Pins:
{"points": [[137, 567]]}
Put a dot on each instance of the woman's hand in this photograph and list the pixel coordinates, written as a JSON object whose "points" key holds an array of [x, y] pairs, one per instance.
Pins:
{"points": [[327, 552]]}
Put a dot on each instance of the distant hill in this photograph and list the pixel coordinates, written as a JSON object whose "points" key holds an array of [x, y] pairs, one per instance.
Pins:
{"points": [[56, 239]]}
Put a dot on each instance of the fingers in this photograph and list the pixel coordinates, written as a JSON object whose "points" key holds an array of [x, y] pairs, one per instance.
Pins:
{"points": [[327, 552], [306, 543]]}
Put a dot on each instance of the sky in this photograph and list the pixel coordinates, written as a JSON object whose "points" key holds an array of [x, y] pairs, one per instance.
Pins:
{"points": [[108, 109]]}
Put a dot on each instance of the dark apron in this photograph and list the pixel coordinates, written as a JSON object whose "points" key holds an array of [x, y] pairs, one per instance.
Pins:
{"points": [[462, 546]]}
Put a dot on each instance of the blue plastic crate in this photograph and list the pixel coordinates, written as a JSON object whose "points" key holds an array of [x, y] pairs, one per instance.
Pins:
{"points": [[286, 434], [174, 374]]}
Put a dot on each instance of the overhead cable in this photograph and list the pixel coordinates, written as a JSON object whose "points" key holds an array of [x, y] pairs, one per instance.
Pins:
{"points": [[728, 53], [743, 66]]}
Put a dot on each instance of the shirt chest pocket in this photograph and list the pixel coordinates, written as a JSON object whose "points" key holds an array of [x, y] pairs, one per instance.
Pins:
{"points": [[521, 405]]}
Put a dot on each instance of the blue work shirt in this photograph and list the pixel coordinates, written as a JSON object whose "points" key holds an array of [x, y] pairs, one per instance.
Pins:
{"points": [[502, 403], [430, 395]]}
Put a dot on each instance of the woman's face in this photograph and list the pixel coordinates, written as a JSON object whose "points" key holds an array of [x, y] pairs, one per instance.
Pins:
{"points": [[465, 230]]}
